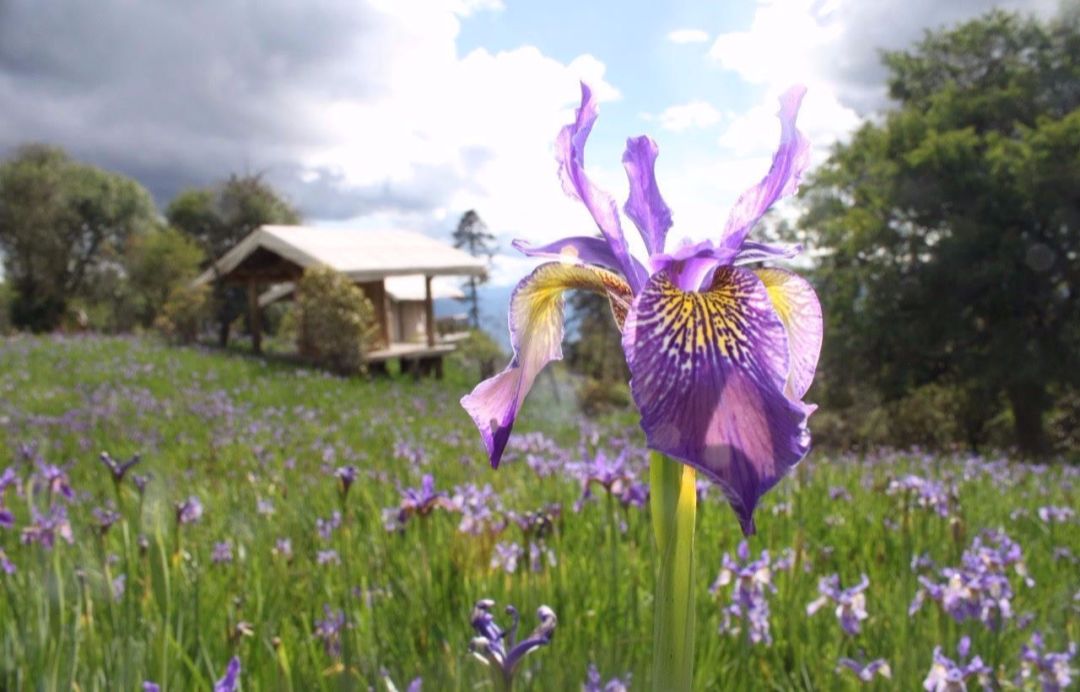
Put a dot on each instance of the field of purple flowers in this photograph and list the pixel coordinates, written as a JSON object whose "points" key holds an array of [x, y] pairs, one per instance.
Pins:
{"points": [[180, 519]]}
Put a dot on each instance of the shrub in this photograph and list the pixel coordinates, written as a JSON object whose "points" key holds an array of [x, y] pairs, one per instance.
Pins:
{"points": [[480, 354], [334, 321], [184, 312], [602, 396]]}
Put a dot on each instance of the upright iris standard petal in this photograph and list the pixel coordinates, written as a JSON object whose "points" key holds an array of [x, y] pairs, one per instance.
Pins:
{"points": [[536, 332], [797, 305], [790, 160], [570, 152], [708, 372], [578, 250], [761, 252], [645, 207]]}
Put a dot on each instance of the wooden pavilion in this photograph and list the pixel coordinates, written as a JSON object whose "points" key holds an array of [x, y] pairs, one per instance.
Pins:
{"points": [[395, 269]]}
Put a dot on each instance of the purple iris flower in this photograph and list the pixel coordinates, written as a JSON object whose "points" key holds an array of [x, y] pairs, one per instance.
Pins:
{"points": [[865, 671], [104, 518], [500, 649], [330, 629], [850, 602], [222, 554], [595, 683], [140, 482], [47, 527], [480, 508], [1056, 515], [947, 675], [420, 501], [56, 480], [346, 476], [189, 511], [119, 469], [148, 686], [1053, 671], [231, 680], [751, 580], [720, 356], [6, 565]]}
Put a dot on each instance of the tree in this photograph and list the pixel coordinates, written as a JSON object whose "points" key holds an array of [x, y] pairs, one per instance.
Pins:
{"points": [[473, 235], [157, 263], [218, 218], [60, 223], [952, 227]]}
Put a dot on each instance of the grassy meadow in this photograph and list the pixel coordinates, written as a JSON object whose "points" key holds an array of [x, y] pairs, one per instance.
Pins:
{"points": [[109, 584]]}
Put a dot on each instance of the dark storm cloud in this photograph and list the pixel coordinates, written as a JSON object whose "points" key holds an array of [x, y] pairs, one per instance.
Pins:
{"points": [[184, 93], [868, 27]]}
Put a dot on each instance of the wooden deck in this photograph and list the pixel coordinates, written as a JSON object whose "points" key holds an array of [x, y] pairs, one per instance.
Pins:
{"points": [[400, 350]]}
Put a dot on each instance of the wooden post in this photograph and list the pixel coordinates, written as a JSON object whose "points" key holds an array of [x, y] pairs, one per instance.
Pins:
{"points": [[253, 316], [429, 312]]}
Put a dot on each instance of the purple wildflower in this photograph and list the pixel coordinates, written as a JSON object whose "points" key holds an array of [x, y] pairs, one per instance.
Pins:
{"points": [[264, 507], [1056, 515], [119, 585], [865, 671], [947, 675], [613, 475], [56, 480], [6, 564], [326, 527], [420, 502], [1050, 670], [500, 649], [230, 682], [731, 408], [148, 686], [838, 493], [140, 482], [46, 528], [480, 509], [595, 683], [104, 519], [189, 511], [329, 630], [505, 556], [850, 602], [222, 553], [119, 469], [327, 557], [749, 601], [346, 476], [283, 548], [927, 493], [7, 479]]}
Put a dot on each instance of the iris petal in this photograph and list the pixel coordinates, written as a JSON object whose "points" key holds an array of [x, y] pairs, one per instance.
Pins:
{"points": [[708, 372], [760, 252], [645, 207], [570, 152], [536, 332], [797, 305], [790, 160], [577, 250]]}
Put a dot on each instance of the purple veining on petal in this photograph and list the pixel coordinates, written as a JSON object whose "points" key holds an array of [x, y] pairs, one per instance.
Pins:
{"points": [[707, 373]]}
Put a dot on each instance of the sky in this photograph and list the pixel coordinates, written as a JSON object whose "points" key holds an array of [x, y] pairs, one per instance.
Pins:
{"points": [[406, 113]]}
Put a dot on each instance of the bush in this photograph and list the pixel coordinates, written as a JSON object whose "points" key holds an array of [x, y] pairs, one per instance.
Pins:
{"points": [[184, 312], [156, 263], [603, 396], [480, 354], [334, 321]]}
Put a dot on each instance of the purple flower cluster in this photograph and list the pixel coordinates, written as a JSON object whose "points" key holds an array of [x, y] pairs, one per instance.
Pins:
{"points": [[1052, 671], [947, 675], [329, 630], [850, 602], [612, 474], [979, 589], [865, 670], [480, 508], [506, 556], [752, 580], [928, 494], [189, 511]]}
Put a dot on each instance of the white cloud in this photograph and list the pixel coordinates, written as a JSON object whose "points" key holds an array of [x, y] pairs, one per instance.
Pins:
{"points": [[695, 114], [682, 36]]}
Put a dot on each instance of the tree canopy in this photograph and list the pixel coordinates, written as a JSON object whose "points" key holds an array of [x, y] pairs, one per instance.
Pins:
{"points": [[60, 222], [473, 235], [951, 227]]}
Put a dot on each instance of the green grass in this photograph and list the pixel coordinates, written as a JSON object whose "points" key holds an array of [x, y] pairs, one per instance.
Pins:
{"points": [[232, 429]]}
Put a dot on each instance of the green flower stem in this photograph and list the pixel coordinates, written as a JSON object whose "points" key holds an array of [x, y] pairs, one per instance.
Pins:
{"points": [[674, 509]]}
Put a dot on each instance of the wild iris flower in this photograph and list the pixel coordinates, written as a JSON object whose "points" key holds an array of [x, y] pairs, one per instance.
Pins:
{"points": [[500, 648], [720, 355]]}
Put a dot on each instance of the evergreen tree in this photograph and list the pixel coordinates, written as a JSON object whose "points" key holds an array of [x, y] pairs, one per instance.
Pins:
{"points": [[473, 236]]}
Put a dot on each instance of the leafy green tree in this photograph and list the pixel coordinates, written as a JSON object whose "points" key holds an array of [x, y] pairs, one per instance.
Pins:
{"points": [[472, 234], [156, 264], [218, 218], [952, 226], [61, 223]]}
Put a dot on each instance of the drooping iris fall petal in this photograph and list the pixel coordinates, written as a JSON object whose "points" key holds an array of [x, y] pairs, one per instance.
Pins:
{"points": [[536, 333], [708, 371], [797, 306], [578, 250], [570, 153]]}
